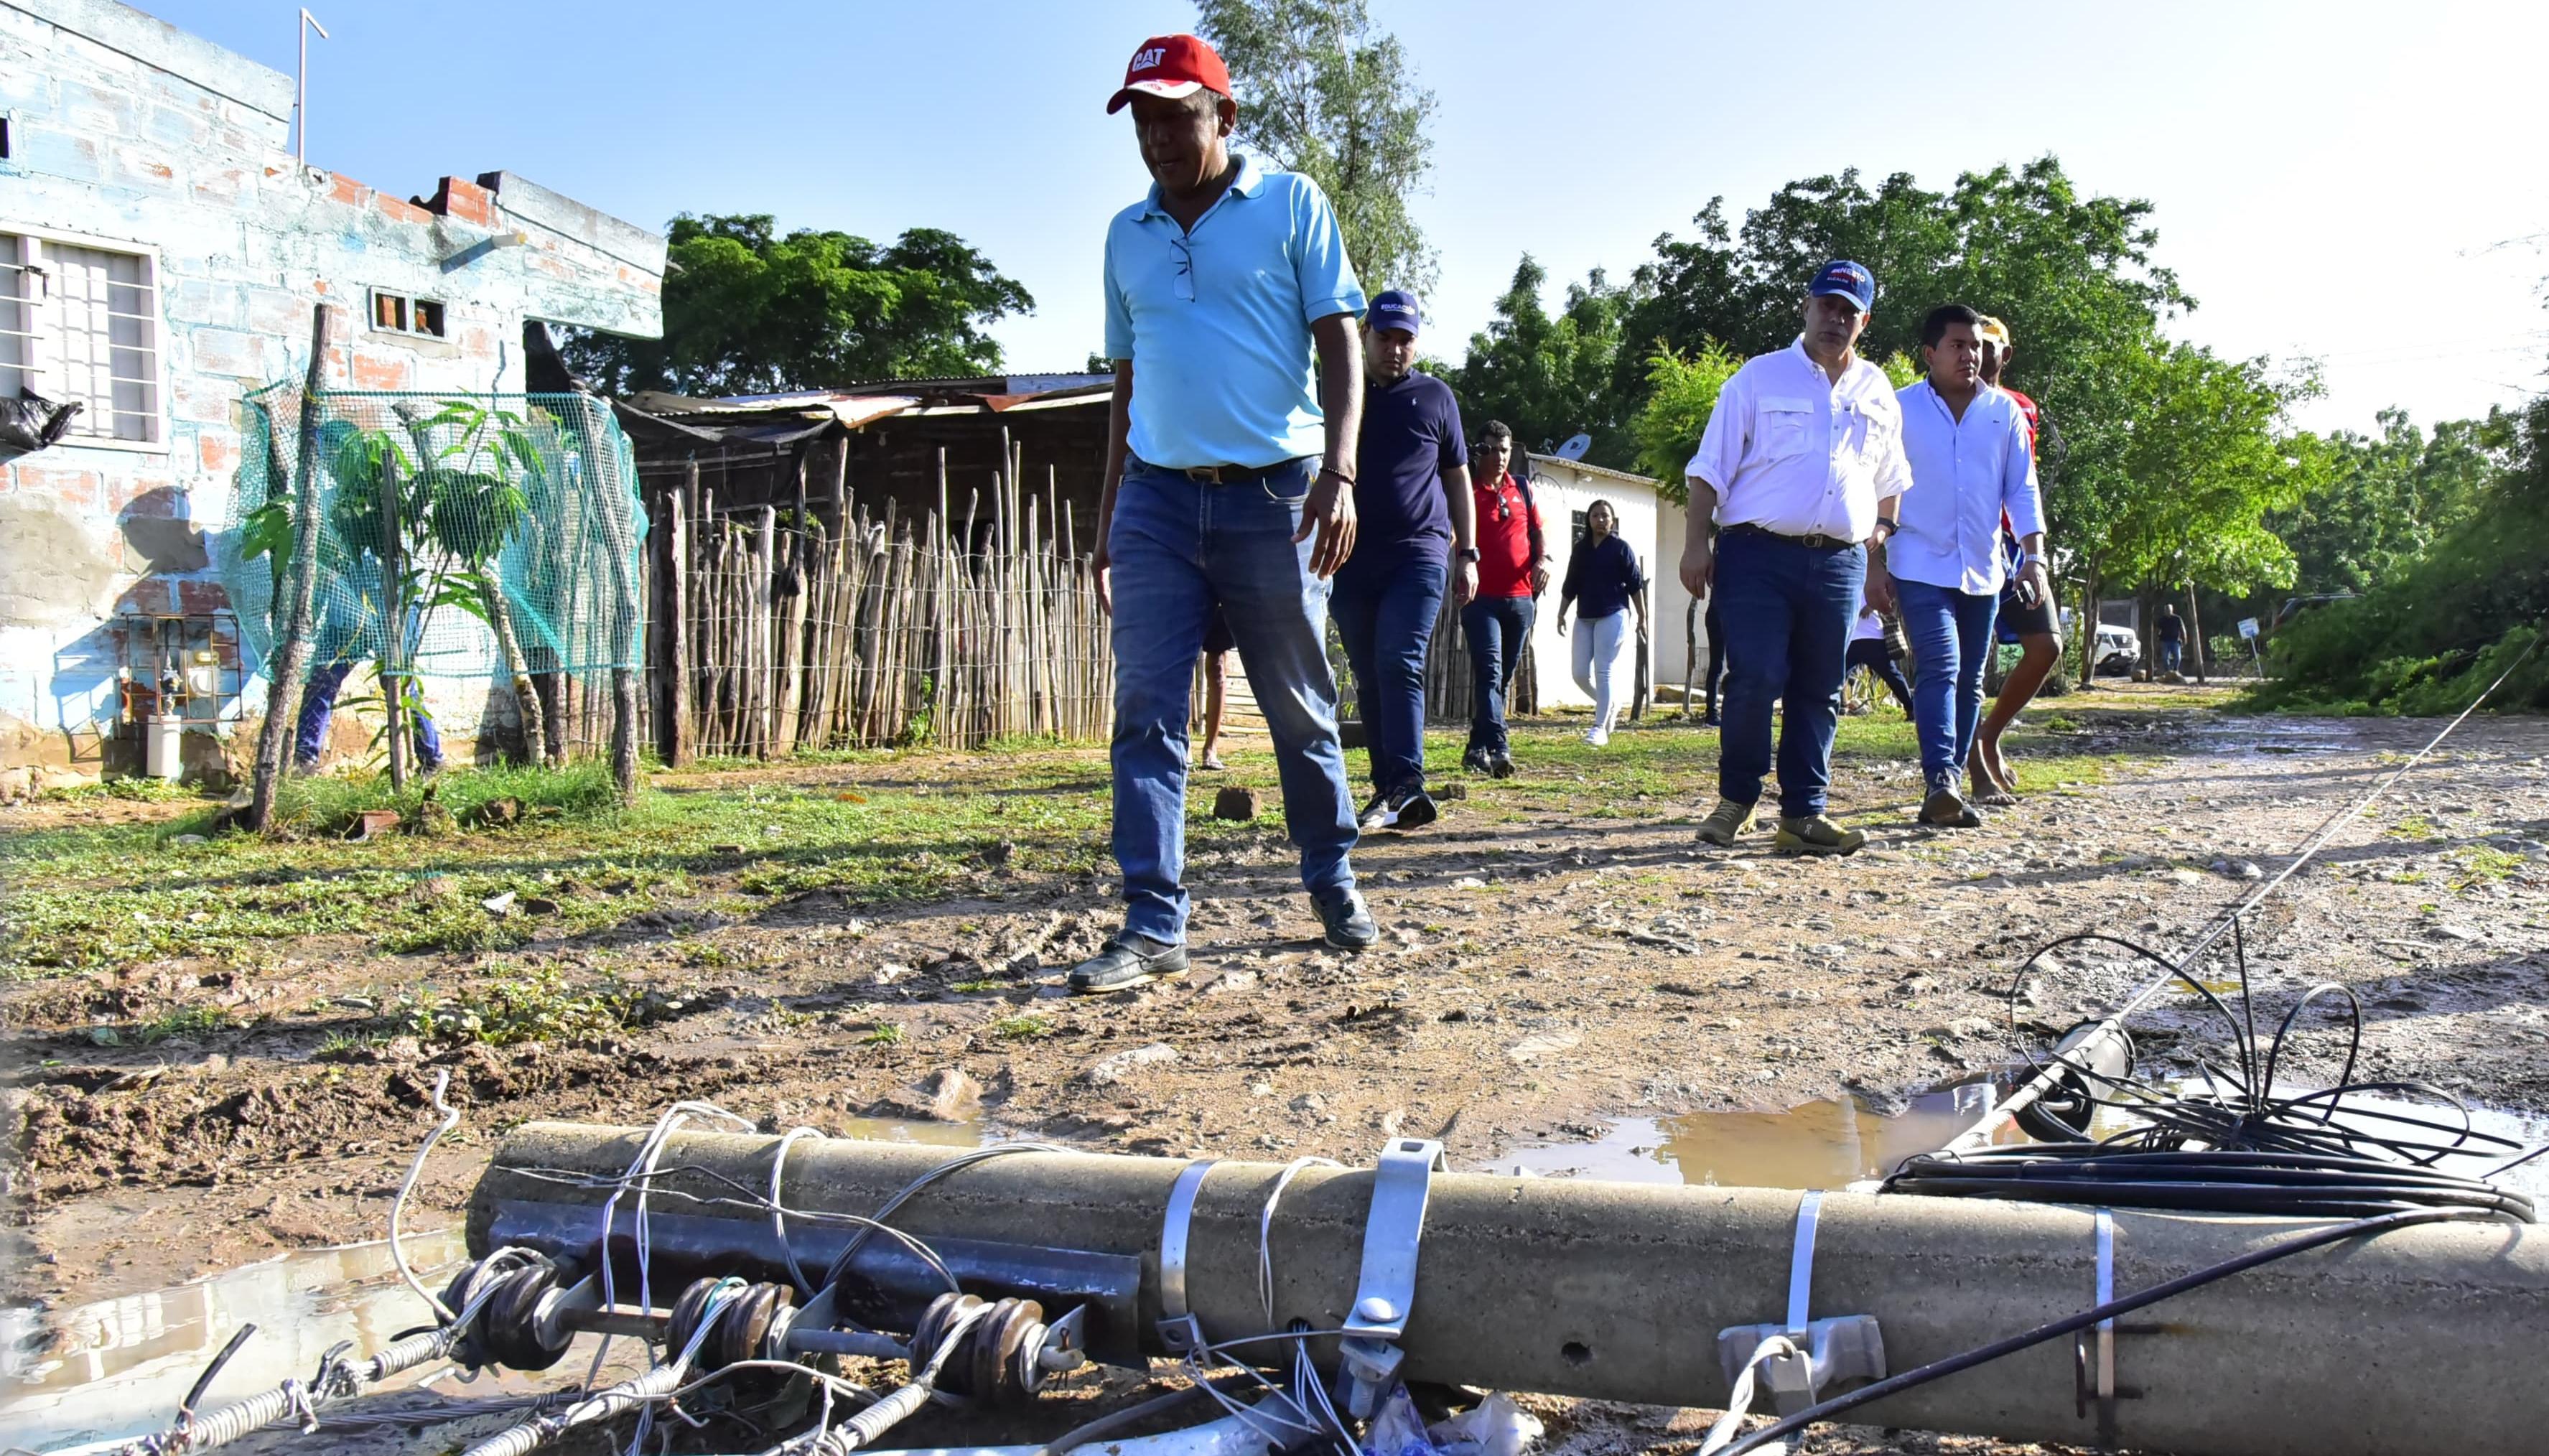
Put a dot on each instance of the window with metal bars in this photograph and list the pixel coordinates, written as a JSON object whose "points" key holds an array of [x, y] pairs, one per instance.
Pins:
{"points": [[81, 324]]}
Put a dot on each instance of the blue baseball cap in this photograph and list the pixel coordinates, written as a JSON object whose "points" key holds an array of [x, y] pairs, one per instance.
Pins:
{"points": [[1393, 309], [1843, 278]]}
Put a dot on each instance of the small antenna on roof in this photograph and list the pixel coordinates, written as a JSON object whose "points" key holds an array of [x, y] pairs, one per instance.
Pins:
{"points": [[301, 79], [1575, 447]]}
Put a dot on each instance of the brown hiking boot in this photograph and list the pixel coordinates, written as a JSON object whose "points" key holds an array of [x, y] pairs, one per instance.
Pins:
{"points": [[1726, 821], [1816, 835]]}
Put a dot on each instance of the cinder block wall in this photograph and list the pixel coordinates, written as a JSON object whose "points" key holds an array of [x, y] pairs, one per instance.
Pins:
{"points": [[128, 135]]}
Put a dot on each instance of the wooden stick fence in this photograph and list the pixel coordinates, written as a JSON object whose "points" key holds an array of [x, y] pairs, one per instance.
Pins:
{"points": [[796, 635]]}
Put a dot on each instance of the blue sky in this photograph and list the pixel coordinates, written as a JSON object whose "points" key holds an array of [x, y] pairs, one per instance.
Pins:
{"points": [[2360, 183]]}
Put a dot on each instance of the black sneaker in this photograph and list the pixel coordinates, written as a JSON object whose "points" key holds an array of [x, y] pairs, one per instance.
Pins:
{"points": [[1946, 808], [1126, 960], [1477, 761], [1501, 765], [1400, 808], [1347, 922]]}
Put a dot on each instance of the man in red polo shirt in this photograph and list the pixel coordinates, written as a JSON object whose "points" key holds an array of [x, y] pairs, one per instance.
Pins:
{"points": [[1513, 570], [2030, 623]]}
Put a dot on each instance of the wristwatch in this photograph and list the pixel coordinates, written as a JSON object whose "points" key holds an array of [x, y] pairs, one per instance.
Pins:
{"points": [[1468, 553], [1887, 527]]}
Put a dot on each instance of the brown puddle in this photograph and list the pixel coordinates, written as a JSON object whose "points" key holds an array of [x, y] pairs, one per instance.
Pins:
{"points": [[1826, 1144], [1829, 1143]]}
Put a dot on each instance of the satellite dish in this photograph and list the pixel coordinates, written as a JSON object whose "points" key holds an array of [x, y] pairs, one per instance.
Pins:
{"points": [[1575, 447]]}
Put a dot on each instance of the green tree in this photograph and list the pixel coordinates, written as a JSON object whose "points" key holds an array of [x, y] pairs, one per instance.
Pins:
{"points": [[1550, 376], [2208, 456], [2387, 498], [2436, 628], [1323, 93], [1681, 394], [749, 311]]}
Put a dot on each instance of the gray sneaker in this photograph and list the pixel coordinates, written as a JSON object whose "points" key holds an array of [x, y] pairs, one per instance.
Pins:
{"points": [[1723, 823]]}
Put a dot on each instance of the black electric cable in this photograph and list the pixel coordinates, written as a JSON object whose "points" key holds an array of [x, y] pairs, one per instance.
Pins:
{"points": [[1984, 1354], [2234, 1146], [2228, 922]]}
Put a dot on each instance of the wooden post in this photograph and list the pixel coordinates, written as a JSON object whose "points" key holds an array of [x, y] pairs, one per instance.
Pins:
{"points": [[1689, 655], [676, 733], [2195, 632], [291, 660], [390, 666], [841, 487], [790, 623], [760, 654], [2088, 630]]}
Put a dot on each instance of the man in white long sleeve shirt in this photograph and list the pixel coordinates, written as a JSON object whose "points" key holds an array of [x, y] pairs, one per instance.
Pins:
{"points": [[1795, 473], [1972, 462]]}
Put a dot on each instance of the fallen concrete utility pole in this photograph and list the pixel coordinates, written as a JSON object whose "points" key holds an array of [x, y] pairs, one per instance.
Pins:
{"points": [[2423, 1339]]}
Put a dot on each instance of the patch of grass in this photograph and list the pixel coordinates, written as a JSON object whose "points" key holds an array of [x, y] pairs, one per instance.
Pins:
{"points": [[1021, 1028], [539, 1007], [457, 925], [2484, 865], [888, 1034], [188, 1022], [876, 826], [976, 989], [141, 791], [579, 791], [721, 957], [2416, 826]]}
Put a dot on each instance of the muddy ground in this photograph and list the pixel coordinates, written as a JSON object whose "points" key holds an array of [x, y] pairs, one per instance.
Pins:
{"points": [[1558, 952]]}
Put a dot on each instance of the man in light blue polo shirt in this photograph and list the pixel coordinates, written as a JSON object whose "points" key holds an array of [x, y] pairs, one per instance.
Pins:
{"points": [[1219, 284]]}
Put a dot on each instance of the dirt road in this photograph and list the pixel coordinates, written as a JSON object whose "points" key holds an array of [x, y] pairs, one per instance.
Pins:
{"points": [[1557, 954]]}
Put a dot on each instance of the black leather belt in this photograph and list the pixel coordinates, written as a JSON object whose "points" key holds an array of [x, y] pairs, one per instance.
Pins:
{"points": [[1811, 543], [1226, 475]]}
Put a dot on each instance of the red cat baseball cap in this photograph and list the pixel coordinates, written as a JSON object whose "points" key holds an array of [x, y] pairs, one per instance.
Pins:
{"points": [[1174, 66]]}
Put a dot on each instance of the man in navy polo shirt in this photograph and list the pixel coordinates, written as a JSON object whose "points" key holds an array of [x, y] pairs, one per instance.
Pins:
{"points": [[1411, 512], [1218, 285]]}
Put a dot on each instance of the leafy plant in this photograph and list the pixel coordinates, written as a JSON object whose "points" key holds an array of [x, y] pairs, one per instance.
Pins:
{"points": [[539, 1007]]}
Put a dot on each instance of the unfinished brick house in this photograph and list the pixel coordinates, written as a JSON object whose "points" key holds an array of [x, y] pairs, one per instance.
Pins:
{"points": [[160, 253]]}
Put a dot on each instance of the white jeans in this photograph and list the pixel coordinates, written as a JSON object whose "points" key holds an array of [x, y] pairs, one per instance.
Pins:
{"points": [[1597, 654]]}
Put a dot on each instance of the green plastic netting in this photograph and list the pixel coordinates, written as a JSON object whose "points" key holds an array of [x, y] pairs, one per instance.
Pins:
{"points": [[518, 530]]}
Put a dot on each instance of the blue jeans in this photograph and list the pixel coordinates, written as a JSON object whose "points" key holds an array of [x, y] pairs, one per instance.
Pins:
{"points": [[1950, 632], [1177, 550], [2170, 655], [1497, 629], [319, 704], [1386, 604], [1787, 609]]}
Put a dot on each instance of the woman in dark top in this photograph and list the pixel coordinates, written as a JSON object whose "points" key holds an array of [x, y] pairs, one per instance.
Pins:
{"points": [[1603, 582]]}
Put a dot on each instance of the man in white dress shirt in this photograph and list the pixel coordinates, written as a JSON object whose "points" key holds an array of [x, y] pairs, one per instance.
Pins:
{"points": [[1972, 460], [1797, 472]]}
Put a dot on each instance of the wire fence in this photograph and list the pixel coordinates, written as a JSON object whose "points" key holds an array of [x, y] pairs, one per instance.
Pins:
{"points": [[448, 536]]}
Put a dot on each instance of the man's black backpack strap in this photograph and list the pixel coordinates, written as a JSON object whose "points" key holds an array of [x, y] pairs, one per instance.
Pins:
{"points": [[1531, 522]]}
